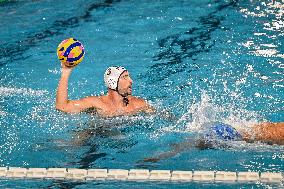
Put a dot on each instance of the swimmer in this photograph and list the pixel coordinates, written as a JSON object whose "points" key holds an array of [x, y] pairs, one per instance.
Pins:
{"points": [[118, 101], [270, 133]]}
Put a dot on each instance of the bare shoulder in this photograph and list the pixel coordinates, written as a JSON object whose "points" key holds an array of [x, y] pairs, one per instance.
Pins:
{"points": [[141, 104], [94, 101], [137, 101]]}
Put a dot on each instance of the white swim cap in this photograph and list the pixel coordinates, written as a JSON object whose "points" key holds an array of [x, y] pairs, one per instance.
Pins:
{"points": [[112, 75]]}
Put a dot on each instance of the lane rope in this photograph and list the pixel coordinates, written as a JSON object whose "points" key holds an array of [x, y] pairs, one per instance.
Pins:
{"points": [[138, 175]]}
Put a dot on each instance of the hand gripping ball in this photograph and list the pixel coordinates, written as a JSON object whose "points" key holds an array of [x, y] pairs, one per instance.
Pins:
{"points": [[70, 52]]}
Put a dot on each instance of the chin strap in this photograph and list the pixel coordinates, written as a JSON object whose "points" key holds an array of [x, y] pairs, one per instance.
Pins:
{"points": [[125, 100]]}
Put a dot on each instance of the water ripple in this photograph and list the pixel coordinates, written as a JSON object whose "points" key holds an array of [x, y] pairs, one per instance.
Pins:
{"points": [[16, 51], [178, 50]]}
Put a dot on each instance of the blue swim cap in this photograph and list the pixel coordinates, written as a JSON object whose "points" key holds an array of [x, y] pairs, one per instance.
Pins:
{"points": [[222, 131]]}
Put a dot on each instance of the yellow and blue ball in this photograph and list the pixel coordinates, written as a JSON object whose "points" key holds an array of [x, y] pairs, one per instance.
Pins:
{"points": [[70, 52]]}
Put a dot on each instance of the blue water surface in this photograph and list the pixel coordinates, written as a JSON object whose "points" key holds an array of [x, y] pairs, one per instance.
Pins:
{"points": [[203, 61]]}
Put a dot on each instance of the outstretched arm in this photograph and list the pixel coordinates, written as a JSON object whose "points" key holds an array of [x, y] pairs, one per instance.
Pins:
{"points": [[175, 149], [271, 133], [71, 106]]}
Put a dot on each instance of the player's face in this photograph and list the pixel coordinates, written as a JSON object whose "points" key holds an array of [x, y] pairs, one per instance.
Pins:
{"points": [[125, 84]]}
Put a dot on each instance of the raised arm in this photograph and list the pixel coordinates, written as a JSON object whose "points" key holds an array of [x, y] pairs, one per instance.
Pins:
{"points": [[71, 106]]}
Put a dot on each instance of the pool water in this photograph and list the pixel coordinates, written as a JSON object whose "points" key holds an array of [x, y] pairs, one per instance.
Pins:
{"points": [[202, 61]]}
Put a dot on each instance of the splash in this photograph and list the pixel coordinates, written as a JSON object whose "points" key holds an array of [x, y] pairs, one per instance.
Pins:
{"points": [[274, 26], [200, 114], [11, 91], [196, 120], [3, 113]]}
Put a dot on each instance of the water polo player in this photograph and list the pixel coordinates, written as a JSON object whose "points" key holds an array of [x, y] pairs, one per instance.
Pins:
{"points": [[118, 101], [220, 134], [270, 133]]}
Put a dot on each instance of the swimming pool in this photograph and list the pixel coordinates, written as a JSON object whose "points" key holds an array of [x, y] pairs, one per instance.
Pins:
{"points": [[204, 61]]}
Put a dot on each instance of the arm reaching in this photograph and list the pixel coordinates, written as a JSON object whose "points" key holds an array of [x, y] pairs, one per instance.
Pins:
{"points": [[270, 133], [176, 148]]}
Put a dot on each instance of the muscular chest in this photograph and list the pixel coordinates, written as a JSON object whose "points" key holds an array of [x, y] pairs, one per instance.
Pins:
{"points": [[110, 111]]}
